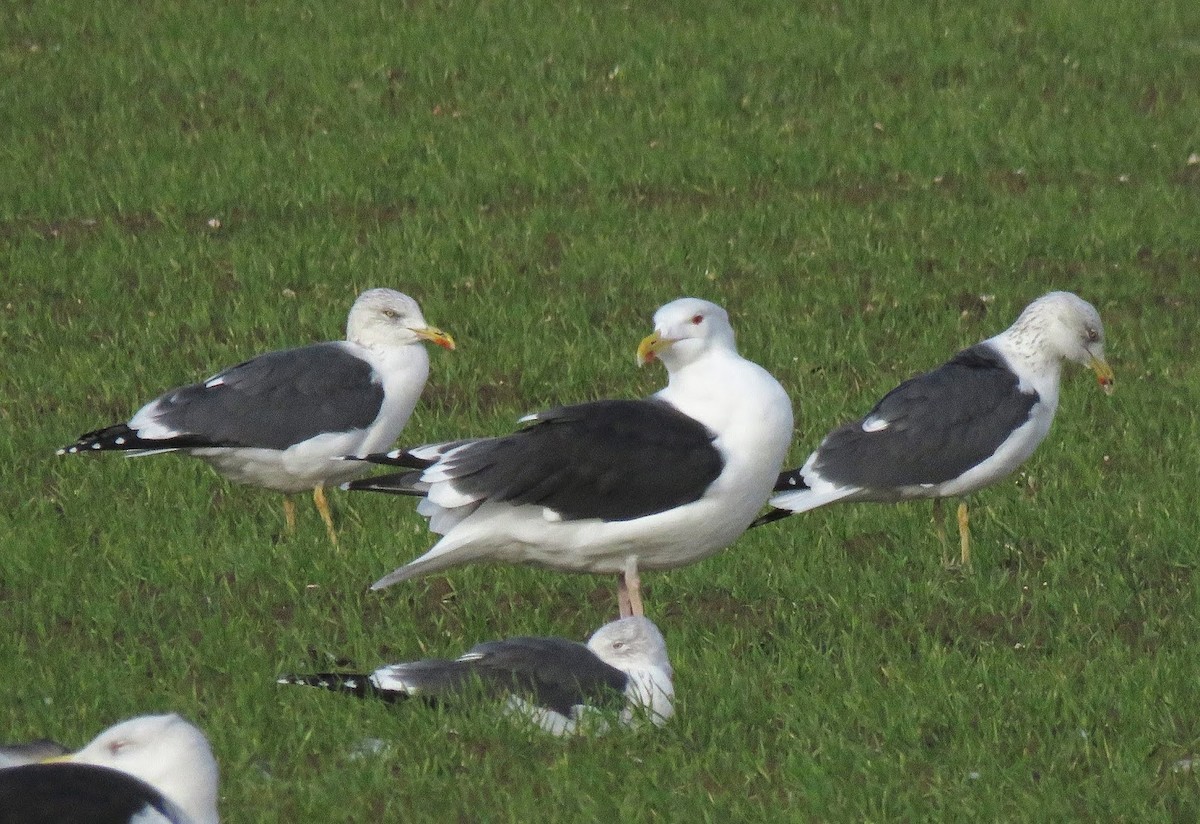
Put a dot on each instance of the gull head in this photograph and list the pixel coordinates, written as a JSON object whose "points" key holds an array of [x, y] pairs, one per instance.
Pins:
{"points": [[385, 317], [685, 329]]}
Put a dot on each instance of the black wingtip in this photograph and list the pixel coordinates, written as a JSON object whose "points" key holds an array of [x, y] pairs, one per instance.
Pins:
{"points": [[397, 457], [771, 517], [401, 483], [790, 481], [116, 437], [348, 683], [121, 438]]}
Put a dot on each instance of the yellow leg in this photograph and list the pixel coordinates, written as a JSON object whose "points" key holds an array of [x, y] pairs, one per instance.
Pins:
{"points": [[629, 590], [964, 534], [939, 525], [289, 515], [326, 515]]}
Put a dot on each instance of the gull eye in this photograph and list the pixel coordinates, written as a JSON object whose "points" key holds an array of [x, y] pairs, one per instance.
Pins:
{"points": [[1093, 335], [391, 314], [116, 746], [697, 320], [618, 645]]}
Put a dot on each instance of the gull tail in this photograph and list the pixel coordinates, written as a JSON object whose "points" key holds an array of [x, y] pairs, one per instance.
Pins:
{"points": [[415, 569], [440, 557], [445, 554]]}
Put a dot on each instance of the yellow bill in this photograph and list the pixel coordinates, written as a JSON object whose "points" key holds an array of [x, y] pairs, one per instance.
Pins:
{"points": [[650, 346], [1104, 374], [435, 336]]}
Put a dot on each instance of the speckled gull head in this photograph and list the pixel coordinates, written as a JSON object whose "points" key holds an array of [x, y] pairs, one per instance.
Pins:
{"points": [[387, 317], [637, 647], [1064, 326], [167, 753], [685, 329]]}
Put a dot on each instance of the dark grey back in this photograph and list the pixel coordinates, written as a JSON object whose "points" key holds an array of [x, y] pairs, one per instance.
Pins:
{"points": [[614, 460], [76, 794], [278, 399], [941, 424]]}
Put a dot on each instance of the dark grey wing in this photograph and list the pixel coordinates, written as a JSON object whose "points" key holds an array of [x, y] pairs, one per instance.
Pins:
{"points": [[76, 793], [939, 425], [552, 672], [279, 399], [429, 678], [614, 460], [273, 401]]}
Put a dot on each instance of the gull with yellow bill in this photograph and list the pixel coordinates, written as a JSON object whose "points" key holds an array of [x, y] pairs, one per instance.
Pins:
{"points": [[611, 486], [960, 427], [282, 420]]}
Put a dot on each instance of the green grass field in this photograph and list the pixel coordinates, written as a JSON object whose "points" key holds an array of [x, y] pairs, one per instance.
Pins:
{"points": [[188, 184]]}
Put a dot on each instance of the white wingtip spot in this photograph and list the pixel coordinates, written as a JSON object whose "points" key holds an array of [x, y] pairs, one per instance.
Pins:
{"points": [[119, 441], [874, 425], [395, 453], [62, 451], [530, 418], [95, 446], [550, 515]]}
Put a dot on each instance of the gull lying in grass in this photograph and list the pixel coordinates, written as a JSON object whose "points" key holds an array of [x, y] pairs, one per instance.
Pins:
{"points": [[154, 768], [561, 686]]}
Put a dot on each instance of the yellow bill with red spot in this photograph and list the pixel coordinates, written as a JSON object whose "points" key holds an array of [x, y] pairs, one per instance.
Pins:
{"points": [[650, 346], [1104, 374], [435, 336]]}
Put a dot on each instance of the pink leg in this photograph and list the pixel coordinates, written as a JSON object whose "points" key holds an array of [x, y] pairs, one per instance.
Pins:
{"points": [[629, 590]]}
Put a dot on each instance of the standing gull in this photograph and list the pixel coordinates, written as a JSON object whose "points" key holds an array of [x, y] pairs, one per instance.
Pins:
{"points": [[280, 420], [612, 486], [555, 683], [960, 427], [154, 768]]}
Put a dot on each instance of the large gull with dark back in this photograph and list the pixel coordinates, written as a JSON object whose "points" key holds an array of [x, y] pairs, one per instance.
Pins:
{"points": [[964, 425], [612, 486], [281, 420]]}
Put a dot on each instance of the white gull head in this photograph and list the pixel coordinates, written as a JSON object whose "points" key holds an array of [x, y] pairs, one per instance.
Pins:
{"points": [[166, 752], [385, 317]]}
